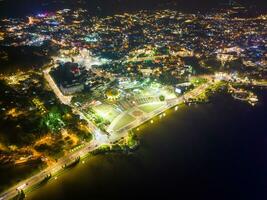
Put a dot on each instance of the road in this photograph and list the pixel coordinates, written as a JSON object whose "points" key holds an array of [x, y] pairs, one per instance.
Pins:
{"points": [[170, 103], [141, 59], [100, 137], [260, 83], [30, 182], [64, 99]]}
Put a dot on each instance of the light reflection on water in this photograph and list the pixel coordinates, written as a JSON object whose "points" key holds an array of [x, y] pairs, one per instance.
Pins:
{"points": [[203, 148]]}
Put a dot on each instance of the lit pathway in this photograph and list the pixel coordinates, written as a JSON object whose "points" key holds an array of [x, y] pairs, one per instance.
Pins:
{"points": [[64, 99], [99, 138], [170, 103]]}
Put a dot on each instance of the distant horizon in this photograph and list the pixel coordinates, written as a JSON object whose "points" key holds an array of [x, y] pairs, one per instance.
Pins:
{"points": [[12, 8], [139, 98]]}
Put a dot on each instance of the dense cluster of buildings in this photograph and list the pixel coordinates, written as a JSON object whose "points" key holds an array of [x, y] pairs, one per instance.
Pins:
{"points": [[166, 44], [73, 78], [69, 78]]}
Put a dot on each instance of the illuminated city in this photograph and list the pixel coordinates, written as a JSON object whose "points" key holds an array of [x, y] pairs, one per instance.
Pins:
{"points": [[76, 85]]}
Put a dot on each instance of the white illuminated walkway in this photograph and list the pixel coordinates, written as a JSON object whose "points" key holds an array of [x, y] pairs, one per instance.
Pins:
{"points": [[100, 137]]}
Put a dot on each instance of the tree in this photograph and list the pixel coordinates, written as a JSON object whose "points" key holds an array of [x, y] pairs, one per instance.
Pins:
{"points": [[83, 97], [162, 98], [52, 121], [167, 78]]}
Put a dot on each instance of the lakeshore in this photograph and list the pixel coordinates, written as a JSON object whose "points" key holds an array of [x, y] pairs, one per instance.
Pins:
{"points": [[103, 142], [111, 76], [220, 153], [55, 170]]}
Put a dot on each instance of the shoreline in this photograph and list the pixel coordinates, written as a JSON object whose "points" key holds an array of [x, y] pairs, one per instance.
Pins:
{"points": [[93, 148], [200, 94], [55, 171]]}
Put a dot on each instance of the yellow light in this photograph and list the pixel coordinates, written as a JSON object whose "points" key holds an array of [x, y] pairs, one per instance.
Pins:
{"points": [[151, 121]]}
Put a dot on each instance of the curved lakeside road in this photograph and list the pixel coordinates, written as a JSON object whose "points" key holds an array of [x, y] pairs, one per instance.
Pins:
{"points": [[32, 181], [100, 137]]}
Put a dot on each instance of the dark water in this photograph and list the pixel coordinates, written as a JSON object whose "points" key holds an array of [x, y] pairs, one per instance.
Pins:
{"points": [[213, 151]]}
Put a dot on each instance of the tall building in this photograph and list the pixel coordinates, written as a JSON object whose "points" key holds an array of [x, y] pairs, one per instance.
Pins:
{"points": [[69, 77]]}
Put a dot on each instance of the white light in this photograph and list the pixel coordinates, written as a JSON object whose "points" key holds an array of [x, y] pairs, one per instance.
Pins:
{"points": [[22, 186], [178, 90]]}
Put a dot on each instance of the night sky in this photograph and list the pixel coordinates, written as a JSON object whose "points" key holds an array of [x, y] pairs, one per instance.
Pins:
{"points": [[108, 7]]}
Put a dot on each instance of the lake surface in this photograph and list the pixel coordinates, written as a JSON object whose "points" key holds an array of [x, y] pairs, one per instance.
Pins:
{"points": [[215, 151]]}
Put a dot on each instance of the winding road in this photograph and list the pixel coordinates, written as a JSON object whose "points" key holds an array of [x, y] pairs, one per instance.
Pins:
{"points": [[100, 137]]}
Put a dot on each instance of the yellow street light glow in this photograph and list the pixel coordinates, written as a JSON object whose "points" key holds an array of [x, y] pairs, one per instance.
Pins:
{"points": [[164, 114], [151, 121]]}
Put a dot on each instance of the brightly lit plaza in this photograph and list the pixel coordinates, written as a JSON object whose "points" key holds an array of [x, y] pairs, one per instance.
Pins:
{"points": [[83, 57], [129, 104], [124, 105]]}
